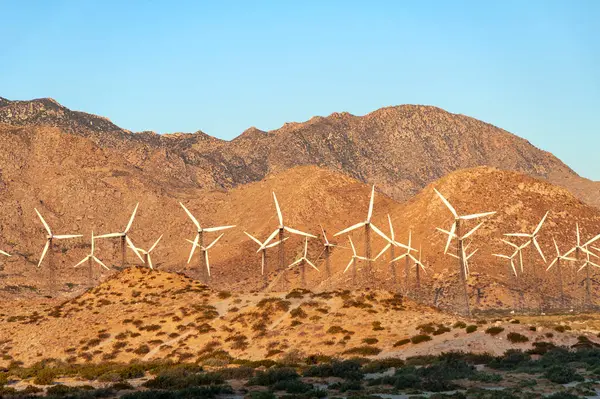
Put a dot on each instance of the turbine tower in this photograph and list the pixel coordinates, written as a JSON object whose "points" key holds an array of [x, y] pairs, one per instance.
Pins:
{"points": [[262, 248], [368, 225], [204, 252], [456, 232], [327, 247], [302, 262], [90, 259], [556, 262], [50, 237], [147, 259], [124, 236], [281, 231], [199, 242]]}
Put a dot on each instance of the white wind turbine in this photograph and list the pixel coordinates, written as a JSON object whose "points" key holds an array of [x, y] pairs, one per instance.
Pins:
{"points": [[91, 258], [281, 231], [368, 225], [204, 251], [406, 255], [124, 237], [578, 249], [199, 239], [50, 237], [353, 261], [302, 261], [456, 232], [263, 246], [145, 255], [391, 245], [556, 262], [533, 236]]}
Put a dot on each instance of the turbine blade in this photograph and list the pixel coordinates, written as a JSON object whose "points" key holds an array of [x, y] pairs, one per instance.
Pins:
{"points": [[93, 244], [194, 245], [539, 226], [313, 266], [448, 205], [512, 264], [556, 246], [134, 249], [279, 215], [82, 261], [349, 264], [207, 263], [518, 235], [4, 253], [552, 264], [349, 229], [44, 252], [472, 253], [370, 214], [502, 256], [452, 230], [100, 263], [352, 245], [539, 249], [473, 230], [254, 239], [578, 235], [132, 217], [219, 228], [589, 253], [273, 234], [276, 243], [305, 246], [380, 233], [383, 251], [298, 232], [214, 242], [150, 262], [67, 236], [324, 235], [399, 257], [110, 235], [43, 222], [295, 263], [155, 244], [194, 220], [510, 243], [477, 215], [593, 240]]}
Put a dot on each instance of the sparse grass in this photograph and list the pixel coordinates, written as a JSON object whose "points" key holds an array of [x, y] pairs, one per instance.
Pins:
{"points": [[365, 350], [495, 330]]}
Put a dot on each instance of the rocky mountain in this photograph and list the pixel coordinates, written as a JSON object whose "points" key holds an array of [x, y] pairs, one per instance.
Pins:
{"points": [[85, 174], [401, 149]]}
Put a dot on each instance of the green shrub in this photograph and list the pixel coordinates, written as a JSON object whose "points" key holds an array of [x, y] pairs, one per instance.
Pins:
{"points": [[459, 324], [562, 329], [417, 339], [347, 369], [495, 330], [471, 329], [516, 337], [271, 376], [402, 342], [562, 374], [291, 386], [262, 394], [370, 341], [45, 377], [377, 366], [365, 350], [183, 377]]}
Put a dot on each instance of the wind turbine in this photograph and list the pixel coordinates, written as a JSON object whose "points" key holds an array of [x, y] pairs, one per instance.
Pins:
{"points": [[91, 258], [147, 259], [368, 227], [263, 246], [124, 236], [199, 239], [556, 262], [456, 232], [281, 231], [578, 249], [533, 236], [302, 261], [353, 261], [204, 251], [50, 237], [391, 245]]}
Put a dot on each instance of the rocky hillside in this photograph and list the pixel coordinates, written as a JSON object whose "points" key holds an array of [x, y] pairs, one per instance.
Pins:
{"points": [[401, 149]]}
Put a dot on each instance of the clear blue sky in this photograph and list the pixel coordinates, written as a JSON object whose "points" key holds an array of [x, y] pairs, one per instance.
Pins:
{"points": [[531, 67]]}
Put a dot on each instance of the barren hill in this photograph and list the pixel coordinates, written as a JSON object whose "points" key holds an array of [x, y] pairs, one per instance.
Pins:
{"points": [[157, 315], [401, 149]]}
